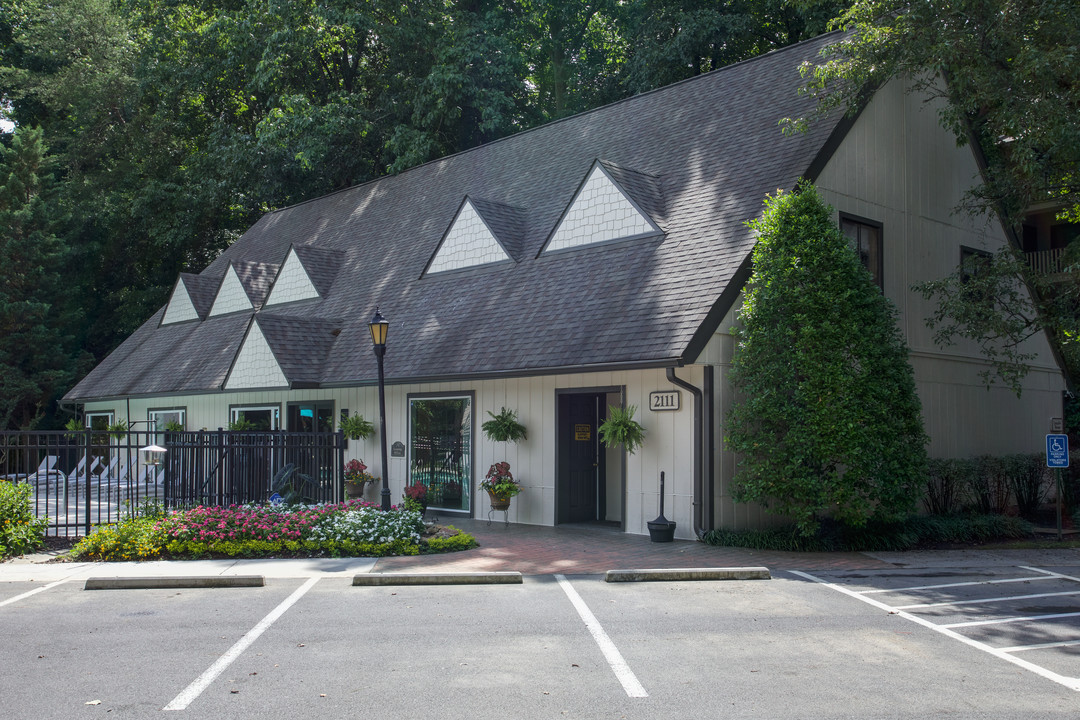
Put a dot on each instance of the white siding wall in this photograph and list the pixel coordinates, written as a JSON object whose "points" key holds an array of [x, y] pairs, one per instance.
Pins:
{"points": [[667, 444], [180, 307], [468, 242], [899, 168], [600, 212], [292, 283], [231, 296], [255, 365]]}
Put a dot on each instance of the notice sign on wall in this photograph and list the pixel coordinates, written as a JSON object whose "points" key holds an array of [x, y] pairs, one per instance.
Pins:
{"points": [[583, 432], [397, 449], [664, 400]]}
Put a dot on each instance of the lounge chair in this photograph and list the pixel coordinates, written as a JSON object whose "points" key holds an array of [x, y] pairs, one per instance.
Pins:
{"points": [[46, 471]]}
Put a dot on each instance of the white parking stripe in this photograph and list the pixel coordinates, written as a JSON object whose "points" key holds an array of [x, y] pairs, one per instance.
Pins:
{"points": [[1002, 621], [611, 653], [988, 600], [952, 585], [202, 682], [35, 591], [1040, 646], [1051, 573], [1071, 683]]}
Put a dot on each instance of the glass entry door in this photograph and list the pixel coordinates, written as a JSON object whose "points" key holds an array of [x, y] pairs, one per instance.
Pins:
{"points": [[440, 450]]}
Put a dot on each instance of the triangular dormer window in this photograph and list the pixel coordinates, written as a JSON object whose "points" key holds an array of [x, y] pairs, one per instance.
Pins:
{"points": [[180, 308], [603, 210], [231, 296], [292, 283], [471, 240], [255, 365]]}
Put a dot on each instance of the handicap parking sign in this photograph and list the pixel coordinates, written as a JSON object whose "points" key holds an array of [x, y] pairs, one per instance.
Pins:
{"points": [[1057, 451]]}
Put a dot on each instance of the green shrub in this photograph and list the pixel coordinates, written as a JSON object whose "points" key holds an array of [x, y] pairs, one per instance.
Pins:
{"points": [[878, 536], [1029, 480], [137, 538], [460, 541], [827, 422], [989, 485], [946, 485], [20, 530]]}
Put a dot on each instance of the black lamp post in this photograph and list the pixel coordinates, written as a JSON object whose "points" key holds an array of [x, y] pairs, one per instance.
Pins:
{"points": [[379, 327]]}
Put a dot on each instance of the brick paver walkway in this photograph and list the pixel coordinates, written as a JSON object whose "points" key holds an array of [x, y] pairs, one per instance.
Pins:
{"points": [[536, 550]]}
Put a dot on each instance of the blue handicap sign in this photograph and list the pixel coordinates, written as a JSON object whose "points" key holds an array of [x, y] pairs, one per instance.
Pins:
{"points": [[1057, 451], [276, 499]]}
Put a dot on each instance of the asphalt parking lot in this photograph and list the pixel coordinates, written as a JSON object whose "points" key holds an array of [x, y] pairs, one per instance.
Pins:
{"points": [[791, 647]]}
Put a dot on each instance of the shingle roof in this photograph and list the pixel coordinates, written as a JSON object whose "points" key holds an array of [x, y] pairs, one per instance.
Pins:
{"points": [[201, 289], [645, 190], [702, 153], [300, 344], [506, 222], [256, 276], [321, 264]]}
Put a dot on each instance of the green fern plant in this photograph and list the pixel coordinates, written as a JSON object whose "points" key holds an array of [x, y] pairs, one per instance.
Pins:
{"points": [[119, 430], [620, 428], [503, 427], [356, 427]]}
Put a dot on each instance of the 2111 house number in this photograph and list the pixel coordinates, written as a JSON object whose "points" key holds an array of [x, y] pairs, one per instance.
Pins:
{"points": [[668, 400]]}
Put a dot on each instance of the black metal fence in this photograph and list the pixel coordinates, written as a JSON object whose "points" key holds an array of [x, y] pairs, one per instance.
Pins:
{"points": [[87, 478]]}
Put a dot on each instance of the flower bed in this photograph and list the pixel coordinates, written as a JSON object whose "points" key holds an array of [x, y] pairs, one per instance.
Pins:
{"points": [[348, 529]]}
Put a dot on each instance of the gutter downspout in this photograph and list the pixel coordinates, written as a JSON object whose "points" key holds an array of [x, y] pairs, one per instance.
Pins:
{"points": [[699, 509]]}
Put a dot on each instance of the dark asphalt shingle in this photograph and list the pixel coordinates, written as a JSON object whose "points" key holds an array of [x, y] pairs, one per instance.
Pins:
{"points": [[698, 156]]}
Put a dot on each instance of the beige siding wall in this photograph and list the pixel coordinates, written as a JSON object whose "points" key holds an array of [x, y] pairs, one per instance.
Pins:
{"points": [[899, 168], [667, 444]]}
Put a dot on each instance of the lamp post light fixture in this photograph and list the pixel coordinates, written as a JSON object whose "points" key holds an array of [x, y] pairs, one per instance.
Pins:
{"points": [[379, 327]]}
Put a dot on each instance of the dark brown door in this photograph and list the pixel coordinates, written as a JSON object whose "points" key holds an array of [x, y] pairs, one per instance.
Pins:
{"points": [[580, 467]]}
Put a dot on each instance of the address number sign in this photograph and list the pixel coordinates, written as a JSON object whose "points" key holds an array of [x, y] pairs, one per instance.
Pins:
{"points": [[664, 400]]}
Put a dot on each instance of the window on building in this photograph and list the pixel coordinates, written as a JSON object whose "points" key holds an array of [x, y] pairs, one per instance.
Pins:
{"points": [[440, 450], [256, 417], [168, 419], [864, 236]]}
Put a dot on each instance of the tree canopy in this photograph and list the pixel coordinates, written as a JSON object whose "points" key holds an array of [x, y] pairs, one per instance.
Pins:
{"points": [[168, 126], [1009, 74], [827, 421]]}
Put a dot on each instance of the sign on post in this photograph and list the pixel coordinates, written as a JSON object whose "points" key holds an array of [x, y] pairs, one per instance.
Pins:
{"points": [[1057, 451]]}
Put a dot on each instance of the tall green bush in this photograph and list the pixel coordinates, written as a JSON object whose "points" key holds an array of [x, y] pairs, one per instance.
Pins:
{"points": [[20, 530], [827, 422]]}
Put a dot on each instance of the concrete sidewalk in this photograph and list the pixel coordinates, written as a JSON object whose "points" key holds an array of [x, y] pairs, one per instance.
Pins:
{"points": [[536, 550]]}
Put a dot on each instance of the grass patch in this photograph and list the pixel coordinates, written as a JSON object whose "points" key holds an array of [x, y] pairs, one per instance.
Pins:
{"points": [[349, 529], [916, 531]]}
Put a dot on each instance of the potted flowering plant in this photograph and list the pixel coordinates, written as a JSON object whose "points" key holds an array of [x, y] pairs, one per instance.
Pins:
{"points": [[499, 482], [356, 477], [416, 497], [500, 485]]}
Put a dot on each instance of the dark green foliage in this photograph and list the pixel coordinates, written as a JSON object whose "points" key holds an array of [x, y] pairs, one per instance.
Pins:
{"points": [[36, 361], [356, 427], [1005, 73], [877, 536], [620, 428], [20, 530], [172, 126], [988, 484], [827, 423], [294, 486], [503, 427]]}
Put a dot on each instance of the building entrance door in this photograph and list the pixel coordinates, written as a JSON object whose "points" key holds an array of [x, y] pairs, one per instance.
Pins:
{"points": [[581, 476]]}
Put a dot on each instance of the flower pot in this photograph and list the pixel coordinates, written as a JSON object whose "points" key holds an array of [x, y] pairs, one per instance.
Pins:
{"points": [[499, 502], [354, 490], [661, 529]]}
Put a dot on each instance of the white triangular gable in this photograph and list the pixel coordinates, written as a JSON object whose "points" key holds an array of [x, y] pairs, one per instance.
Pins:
{"points": [[180, 307], [231, 296], [292, 283], [600, 212], [255, 365], [468, 242]]}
